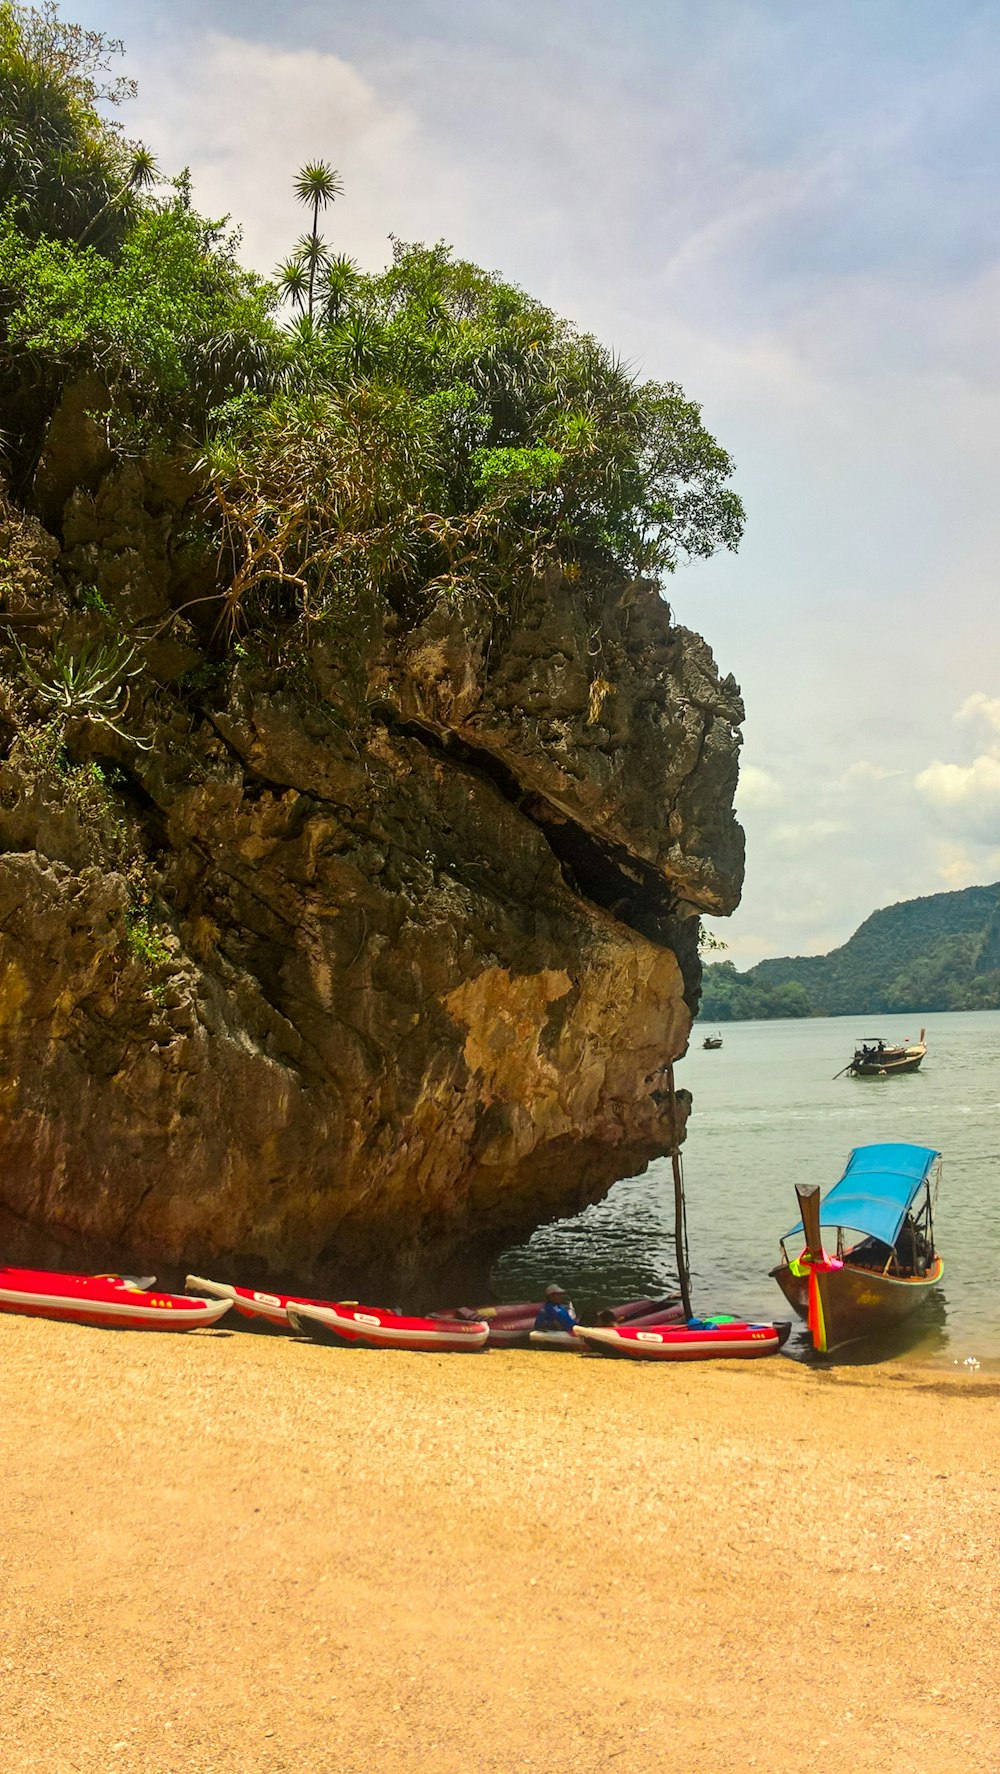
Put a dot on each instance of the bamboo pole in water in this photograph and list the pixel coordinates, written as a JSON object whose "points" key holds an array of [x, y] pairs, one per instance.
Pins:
{"points": [[680, 1210]]}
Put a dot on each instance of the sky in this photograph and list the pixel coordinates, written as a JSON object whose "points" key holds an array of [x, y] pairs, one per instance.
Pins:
{"points": [[793, 210]]}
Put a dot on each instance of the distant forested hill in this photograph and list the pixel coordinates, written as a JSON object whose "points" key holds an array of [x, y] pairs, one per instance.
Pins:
{"points": [[937, 953]]}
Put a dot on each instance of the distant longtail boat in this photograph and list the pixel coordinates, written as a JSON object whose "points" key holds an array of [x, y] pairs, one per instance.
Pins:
{"points": [[874, 1058]]}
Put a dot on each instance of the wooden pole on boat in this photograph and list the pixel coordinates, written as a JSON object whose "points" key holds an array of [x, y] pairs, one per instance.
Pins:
{"points": [[680, 1212], [808, 1194]]}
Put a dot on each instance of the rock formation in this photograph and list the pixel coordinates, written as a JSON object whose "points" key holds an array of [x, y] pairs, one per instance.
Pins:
{"points": [[423, 933]]}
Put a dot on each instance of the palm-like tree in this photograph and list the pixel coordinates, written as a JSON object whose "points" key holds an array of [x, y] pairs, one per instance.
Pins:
{"points": [[143, 172], [340, 276], [293, 282], [316, 186]]}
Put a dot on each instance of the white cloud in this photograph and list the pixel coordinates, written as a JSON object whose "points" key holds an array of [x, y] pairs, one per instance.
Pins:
{"points": [[801, 835], [957, 866], [965, 796], [757, 788], [864, 773], [982, 711]]}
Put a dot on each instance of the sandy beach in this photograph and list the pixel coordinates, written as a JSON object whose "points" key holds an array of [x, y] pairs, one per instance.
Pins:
{"points": [[230, 1552]]}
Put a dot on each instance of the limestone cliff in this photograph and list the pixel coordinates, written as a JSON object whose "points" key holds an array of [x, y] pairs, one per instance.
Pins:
{"points": [[423, 926]]}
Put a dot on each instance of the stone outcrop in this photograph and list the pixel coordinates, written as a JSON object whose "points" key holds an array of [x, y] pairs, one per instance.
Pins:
{"points": [[424, 933]]}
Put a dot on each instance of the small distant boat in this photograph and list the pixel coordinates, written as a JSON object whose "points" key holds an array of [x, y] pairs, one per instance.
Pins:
{"points": [[380, 1329], [872, 1284], [712, 1041], [124, 1301], [695, 1341], [875, 1058]]}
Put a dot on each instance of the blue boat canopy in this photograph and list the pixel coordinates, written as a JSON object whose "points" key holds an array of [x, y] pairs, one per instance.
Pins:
{"points": [[876, 1190]]}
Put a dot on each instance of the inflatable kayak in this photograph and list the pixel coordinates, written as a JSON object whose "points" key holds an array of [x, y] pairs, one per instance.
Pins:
{"points": [[633, 1313], [119, 1300], [694, 1341], [251, 1303], [513, 1326], [380, 1329], [506, 1326]]}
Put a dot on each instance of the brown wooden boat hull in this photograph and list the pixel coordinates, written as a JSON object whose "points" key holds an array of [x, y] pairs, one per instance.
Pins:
{"points": [[856, 1302], [887, 1066]]}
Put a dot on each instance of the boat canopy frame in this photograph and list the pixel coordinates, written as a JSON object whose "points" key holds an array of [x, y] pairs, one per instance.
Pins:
{"points": [[876, 1192]]}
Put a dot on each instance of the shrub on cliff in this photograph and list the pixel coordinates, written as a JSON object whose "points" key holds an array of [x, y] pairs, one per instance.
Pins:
{"points": [[67, 169], [172, 322], [443, 431], [599, 461], [95, 273]]}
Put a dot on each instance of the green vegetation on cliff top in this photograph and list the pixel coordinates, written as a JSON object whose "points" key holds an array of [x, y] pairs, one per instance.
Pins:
{"points": [[427, 429], [941, 952]]}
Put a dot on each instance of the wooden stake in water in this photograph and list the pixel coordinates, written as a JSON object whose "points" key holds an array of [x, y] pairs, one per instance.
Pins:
{"points": [[680, 1210]]}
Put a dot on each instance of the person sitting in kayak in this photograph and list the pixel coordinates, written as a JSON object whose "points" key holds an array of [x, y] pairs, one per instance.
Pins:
{"points": [[557, 1313]]}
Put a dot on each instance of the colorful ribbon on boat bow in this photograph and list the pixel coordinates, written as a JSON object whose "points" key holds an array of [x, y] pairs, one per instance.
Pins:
{"points": [[812, 1266]]}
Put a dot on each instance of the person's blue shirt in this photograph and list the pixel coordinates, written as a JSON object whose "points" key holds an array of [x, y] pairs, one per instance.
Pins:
{"points": [[555, 1316]]}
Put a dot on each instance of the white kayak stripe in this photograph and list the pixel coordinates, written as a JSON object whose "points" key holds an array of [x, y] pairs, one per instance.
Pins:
{"points": [[69, 1305], [470, 1338], [671, 1349]]}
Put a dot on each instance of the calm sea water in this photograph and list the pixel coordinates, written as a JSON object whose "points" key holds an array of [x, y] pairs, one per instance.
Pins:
{"points": [[768, 1113]]}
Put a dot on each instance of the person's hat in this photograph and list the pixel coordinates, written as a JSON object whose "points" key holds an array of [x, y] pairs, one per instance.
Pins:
{"points": [[554, 1291]]}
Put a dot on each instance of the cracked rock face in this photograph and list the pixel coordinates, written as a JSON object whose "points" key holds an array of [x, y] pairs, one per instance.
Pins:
{"points": [[420, 965]]}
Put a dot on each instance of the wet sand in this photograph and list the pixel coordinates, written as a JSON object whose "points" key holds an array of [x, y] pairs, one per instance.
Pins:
{"points": [[226, 1553]]}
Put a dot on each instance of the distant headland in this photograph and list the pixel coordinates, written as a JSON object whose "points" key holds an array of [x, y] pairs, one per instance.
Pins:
{"points": [[940, 952]]}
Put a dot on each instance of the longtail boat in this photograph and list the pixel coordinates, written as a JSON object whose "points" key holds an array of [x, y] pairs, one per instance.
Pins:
{"points": [[875, 1058], [871, 1284], [127, 1302]]}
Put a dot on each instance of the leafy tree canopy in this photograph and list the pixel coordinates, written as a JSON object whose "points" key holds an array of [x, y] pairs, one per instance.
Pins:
{"points": [[497, 433], [172, 318], [427, 428]]}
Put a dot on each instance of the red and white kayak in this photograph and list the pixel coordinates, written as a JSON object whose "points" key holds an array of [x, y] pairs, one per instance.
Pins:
{"points": [[511, 1326], [506, 1326], [683, 1342], [103, 1299], [632, 1313], [251, 1302], [380, 1329]]}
